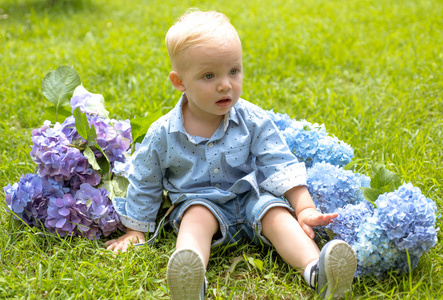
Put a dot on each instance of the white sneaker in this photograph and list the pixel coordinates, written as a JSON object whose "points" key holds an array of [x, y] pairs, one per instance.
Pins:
{"points": [[335, 270], [186, 275]]}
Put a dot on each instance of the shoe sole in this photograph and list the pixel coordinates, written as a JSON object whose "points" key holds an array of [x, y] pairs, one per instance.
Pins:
{"points": [[185, 275], [339, 264]]}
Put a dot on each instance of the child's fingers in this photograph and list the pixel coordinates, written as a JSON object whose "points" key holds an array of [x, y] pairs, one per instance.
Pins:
{"points": [[107, 243], [308, 230], [111, 246]]}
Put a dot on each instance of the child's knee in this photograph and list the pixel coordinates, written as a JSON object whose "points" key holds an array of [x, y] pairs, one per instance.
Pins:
{"points": [[275, 215], [200, 213]]}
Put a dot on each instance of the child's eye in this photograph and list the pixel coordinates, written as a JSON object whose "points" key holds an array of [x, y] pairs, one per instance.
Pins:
{"points": [[233, 72], [209, 76]]}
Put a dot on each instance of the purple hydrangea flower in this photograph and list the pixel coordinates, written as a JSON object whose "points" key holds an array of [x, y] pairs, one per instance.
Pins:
{"points": [[80, 101], [92, 202], [90, 103], [84, 173], [122, 168], [110, 222], [332, 187], [63, 218], [38, 208], [113, 137], [52, 153], [94, 205]]}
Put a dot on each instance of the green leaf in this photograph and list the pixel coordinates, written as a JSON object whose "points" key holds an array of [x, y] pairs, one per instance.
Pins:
{"points": [[91, 158], [82, 125], [351, 164], [258, 264], [140, 125], [166, 201], [58, 86], [107, 184], [370, 194], [120, 185], [385, 180], [255, 262], [331, 234], [104, 164], [50, 112], [103, 161]]}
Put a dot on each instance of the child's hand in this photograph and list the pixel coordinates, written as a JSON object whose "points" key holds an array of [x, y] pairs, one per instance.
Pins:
{"points": [[122, 243], [311, 217]]}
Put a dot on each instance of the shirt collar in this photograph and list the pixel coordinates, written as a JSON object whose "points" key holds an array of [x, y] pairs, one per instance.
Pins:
{"points": [[176, 124]]}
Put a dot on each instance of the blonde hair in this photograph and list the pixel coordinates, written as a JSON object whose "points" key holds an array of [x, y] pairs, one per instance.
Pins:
{"points": [[198, 28]]}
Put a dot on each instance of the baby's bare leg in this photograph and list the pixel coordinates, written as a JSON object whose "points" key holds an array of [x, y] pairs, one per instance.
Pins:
{"points": [[288, 238], [196, 230]]}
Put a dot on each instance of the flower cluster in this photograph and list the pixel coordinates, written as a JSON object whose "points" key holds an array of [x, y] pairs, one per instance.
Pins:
{"points": [[408, 218], [311, 143], [349, 219], [403, 220], [376, 254], [113, 137], [331, 187], [86, 212], [64, 196], [52, 153], [28, 198]]}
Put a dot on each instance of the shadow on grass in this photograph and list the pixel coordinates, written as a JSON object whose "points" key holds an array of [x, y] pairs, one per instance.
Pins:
{"points": [[16, 9]]}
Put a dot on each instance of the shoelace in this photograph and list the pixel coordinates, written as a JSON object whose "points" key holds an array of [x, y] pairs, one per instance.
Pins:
{"points": [[313, 277], [160, 225]]}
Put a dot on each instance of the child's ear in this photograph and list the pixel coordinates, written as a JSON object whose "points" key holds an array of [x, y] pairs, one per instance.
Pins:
{"points": [[176, 80]]}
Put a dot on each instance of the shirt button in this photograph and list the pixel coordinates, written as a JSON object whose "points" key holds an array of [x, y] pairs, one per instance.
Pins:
{"points": [[217, 185], [216, 170], [211, 144]]}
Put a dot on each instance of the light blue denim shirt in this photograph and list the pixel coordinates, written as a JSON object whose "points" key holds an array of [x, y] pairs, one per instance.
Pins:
{"points": [[246, 152]]}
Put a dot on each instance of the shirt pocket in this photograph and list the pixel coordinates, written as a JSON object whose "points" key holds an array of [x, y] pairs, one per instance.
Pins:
{"points": [[238, 156]]}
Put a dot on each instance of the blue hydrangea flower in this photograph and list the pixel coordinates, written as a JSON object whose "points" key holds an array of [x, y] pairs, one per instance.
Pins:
{"points": [[349, 219], [404, 220], [311, 143], [23, 193], [408, 218], [375, 252], [331, 187]]}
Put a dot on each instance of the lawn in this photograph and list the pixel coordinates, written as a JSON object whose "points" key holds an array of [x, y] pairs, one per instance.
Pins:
{"points": [[371, 71]]}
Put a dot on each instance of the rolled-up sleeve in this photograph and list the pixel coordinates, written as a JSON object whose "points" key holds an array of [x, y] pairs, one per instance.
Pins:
{"points": [[139, 209], [279, 169]]}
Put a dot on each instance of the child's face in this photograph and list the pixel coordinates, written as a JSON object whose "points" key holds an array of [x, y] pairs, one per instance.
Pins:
{"points": [[212, 79]]}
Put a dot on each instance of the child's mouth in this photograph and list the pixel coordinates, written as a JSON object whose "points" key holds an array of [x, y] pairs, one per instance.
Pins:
{"points": [[223, 102]]}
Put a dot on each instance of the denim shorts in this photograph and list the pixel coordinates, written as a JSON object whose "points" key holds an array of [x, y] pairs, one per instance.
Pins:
{"points": [[239, 218]]}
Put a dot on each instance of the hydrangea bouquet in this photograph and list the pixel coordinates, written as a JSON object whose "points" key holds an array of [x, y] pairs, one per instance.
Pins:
{"points": [[83, 161]]}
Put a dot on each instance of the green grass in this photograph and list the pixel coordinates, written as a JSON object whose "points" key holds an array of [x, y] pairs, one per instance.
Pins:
{"points": [[371, 71]]}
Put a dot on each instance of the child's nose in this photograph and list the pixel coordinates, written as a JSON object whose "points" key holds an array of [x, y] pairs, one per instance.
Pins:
{"points": [[224, 85]]}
